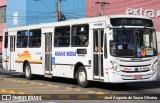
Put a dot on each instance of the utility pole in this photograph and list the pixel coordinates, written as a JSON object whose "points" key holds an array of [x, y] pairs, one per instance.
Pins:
{"points": [[102, 4], [59, 15]]}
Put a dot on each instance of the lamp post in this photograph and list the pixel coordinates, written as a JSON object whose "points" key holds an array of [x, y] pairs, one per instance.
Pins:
{"points": [[102, 4], [59, 15]]}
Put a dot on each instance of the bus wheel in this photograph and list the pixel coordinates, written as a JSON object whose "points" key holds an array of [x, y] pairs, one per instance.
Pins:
{"points": [[82, 77], [28, 73]]}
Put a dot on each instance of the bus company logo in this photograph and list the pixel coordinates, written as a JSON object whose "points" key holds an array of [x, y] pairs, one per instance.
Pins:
{"points": [[127, 69], [6, 97]]}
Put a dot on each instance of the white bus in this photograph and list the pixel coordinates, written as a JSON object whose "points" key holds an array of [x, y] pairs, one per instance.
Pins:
{"points": [[111, 49]]}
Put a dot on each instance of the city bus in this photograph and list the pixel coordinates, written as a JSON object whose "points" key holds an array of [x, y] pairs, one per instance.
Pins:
{"points": [[112, 49]]}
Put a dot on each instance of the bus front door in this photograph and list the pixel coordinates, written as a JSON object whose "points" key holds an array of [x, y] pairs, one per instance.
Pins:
{"points": [[48, 54], [12, 52], [98, 53]]}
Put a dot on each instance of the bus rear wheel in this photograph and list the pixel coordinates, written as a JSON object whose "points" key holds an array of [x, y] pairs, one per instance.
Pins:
{"points": [[28, 73], [82, 77]]}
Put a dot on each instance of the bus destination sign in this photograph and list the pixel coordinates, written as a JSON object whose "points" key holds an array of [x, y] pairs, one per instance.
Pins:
{"points": [[131, 22]]}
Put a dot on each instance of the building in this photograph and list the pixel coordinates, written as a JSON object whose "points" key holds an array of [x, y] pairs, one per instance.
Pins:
{"points": [[150, 8], [28, 12], [2, 20]]}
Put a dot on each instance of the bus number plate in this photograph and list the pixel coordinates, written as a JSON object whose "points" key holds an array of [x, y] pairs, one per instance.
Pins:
{"points": [[137, 76]]}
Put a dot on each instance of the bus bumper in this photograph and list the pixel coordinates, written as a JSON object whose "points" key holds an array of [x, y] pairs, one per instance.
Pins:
{"points": [[121, 77]]}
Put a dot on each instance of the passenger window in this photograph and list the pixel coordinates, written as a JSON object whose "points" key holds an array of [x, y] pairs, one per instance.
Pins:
{"points": [[80, 35], [22, 39], [35, 38], [62, 36], [6, 40]]}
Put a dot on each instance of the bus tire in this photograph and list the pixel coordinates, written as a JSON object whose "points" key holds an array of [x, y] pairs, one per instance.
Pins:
{"points": [[82, 77], [28, 73]]}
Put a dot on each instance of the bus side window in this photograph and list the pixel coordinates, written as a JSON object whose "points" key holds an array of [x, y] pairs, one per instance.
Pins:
{"points": [[35, 38], [62, 36], [6, 40], [22, 39], [80, 35]]}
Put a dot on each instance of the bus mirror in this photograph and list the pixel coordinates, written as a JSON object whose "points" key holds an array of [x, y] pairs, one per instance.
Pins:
{"points": [[110, 36], [112, 47]]}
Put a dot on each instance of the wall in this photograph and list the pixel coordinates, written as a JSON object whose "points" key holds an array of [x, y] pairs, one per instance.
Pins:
{"points": [[16, 13], [74, 9], [121, 6], [42, 11], [2, 25], [143, 7], [2, 2]]}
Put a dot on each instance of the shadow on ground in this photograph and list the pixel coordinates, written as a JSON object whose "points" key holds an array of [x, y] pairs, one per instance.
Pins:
{"points": [[98, 85]]}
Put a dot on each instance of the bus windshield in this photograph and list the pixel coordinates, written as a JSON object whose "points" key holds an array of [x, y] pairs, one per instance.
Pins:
{"points": [[129, 42]]}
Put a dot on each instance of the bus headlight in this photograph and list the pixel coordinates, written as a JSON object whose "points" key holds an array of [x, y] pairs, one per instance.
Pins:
{"points": [[115, 66], [153, 66]]}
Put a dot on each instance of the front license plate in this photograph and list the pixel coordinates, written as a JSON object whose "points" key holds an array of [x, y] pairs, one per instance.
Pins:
{"points": [[137, 76]]}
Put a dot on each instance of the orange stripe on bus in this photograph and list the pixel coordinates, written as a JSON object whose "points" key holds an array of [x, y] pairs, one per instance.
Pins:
{"points": [[5, 60], [36, 61], [30, 61]]}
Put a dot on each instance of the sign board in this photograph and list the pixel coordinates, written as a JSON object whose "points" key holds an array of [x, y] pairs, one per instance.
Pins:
{"points": [[145, 12], [15, 18]]}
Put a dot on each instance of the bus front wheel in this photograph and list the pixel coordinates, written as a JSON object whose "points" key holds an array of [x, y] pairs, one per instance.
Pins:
{"points": [[28, 73], [82, 77]]}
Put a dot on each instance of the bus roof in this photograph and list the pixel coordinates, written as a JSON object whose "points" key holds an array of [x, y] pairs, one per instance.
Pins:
{"points": [[74, 22]]}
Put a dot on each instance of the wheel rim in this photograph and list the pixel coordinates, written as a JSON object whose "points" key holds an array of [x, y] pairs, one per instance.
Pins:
{"points": [[82, 77], [27, 71]]}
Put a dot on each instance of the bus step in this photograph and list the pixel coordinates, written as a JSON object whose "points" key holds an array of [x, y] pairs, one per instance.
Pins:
{"points": [[12, 70], [48, 75]]}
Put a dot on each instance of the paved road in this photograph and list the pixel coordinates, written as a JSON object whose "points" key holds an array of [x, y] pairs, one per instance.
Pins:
{"points": [[15, 83]]}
